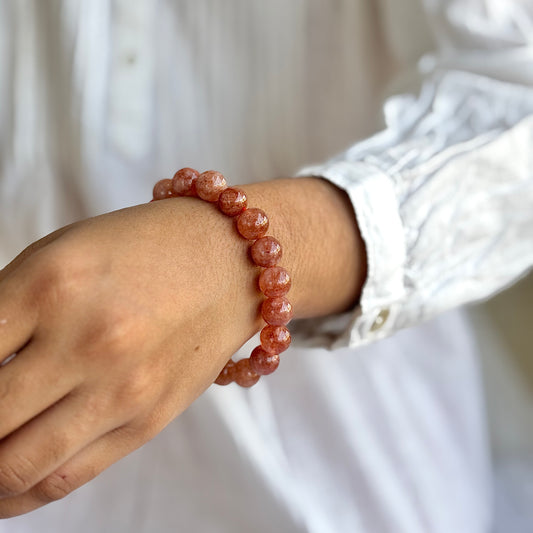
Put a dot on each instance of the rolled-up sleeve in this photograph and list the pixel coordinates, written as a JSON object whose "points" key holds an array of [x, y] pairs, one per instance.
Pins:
{"points": [[443, 196]]}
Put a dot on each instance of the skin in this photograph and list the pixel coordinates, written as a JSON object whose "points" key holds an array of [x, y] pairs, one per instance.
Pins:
{"points": [[121, 321]]}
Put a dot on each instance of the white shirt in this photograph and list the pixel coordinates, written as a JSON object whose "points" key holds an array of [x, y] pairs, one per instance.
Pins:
{"points": [[99, 99]]}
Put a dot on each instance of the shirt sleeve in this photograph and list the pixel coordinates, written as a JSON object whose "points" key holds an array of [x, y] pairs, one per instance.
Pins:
{"points": [[443, 196]]}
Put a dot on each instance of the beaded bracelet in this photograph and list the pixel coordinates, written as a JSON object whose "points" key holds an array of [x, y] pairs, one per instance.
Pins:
{"points": [[265, 251]]}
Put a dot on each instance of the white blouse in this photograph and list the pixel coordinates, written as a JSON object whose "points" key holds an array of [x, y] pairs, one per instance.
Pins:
{"points": [[100, 98], [444, 194]]}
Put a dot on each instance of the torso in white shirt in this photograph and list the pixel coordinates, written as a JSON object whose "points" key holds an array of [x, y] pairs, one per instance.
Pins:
{"points": [[103, 98]]}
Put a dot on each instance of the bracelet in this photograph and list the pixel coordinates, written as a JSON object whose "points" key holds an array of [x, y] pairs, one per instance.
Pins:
{"points": [[265, 251]]}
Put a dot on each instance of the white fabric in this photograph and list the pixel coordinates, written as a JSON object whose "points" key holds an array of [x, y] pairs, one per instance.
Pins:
{"points": [[444, 208], [387, 439], [99, 99]]}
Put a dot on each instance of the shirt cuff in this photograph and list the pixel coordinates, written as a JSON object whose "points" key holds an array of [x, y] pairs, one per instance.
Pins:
{"points": [[377, 213]]}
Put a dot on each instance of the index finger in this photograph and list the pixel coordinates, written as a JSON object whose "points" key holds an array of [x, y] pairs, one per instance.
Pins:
{"points": [[31, 249]]}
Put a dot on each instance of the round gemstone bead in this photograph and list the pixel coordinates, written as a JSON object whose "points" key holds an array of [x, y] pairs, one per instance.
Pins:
{"points": [[277, 311], [275, 339], [209, 185], [266, 251], [262, 362], [274, 282], [183, 182], [244, 375], [252, 223], [232, 201], [227, 374], [162, 189]]}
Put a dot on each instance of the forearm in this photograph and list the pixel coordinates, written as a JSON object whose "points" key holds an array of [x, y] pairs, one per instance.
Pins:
{"points": [[322, 247]]}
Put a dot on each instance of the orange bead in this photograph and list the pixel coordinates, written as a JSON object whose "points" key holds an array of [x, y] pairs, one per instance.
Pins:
{"points": [[232, 201], [277, 311], [244, 375], [274, 282], [162, 189], [275, 339], [252, 223], [209, 185], [183, 182], [266, 251], [263, 363], [227, 374]]}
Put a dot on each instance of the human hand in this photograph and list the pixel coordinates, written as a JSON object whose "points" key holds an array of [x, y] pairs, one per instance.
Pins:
{"points": [[121, 321]]}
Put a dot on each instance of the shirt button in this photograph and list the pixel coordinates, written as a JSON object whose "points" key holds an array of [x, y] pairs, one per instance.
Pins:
{"points": [[380, 320]]}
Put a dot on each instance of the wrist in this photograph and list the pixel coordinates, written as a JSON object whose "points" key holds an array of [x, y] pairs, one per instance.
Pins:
{"points": [[323, 252], [322, 247]]}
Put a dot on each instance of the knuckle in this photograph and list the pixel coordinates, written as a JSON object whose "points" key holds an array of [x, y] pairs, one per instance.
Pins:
{"points": [[135, 392], [63, 270], [119, 332], [95, 409], [113, 335], [56, 279], [54, 487], [17, 478], [94, 406]]}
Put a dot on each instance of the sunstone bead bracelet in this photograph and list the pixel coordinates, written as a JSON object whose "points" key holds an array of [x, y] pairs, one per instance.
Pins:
{"points": [[265, 251]]}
